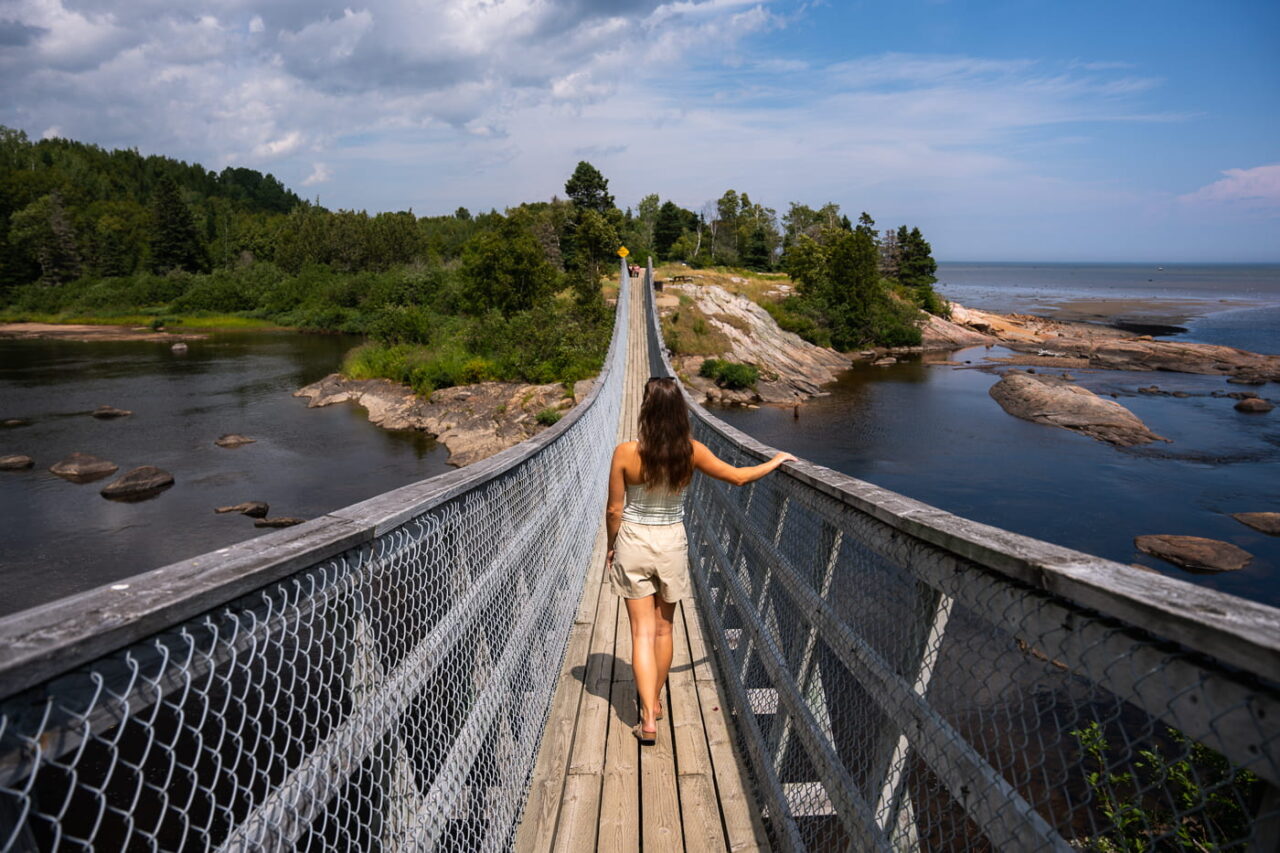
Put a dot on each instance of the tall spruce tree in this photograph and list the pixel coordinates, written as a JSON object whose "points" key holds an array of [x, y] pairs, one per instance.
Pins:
{"points": [[588, 189], [917, 266], [667, 228], [175, 242]]}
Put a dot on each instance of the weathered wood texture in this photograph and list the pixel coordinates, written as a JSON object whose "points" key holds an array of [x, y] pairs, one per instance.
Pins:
{"points": [[594, 786]]}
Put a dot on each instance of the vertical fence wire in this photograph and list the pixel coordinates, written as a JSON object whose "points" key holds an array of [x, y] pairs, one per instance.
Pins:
{"points": [[892, 694], [392, 697]]}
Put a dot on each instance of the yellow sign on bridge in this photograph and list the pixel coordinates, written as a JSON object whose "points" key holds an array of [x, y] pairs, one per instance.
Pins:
{"points": [[623, 252]]}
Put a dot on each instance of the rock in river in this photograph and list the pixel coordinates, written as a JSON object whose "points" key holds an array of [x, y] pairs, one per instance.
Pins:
{"points": [[139, 483], [1195, 552], [1267, 522], [1254, 405], [14, 422], [1048, 400], [83, 468], [233, 440], [283, 521], [16, 463], [108, 412], [253, 509]]}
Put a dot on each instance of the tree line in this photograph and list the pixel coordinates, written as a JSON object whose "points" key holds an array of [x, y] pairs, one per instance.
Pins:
{"points": [[856, 286], [443, 299]]}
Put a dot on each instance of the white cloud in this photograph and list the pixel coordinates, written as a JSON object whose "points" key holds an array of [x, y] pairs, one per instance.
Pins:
{"points": [[1259, 185], [320, 173]]}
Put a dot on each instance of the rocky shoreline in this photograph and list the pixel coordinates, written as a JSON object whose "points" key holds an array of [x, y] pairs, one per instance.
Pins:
{"points": [[472, 421], [85, 333]]}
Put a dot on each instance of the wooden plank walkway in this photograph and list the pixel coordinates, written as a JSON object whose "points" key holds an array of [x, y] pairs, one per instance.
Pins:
{"points": [[594, 787]]}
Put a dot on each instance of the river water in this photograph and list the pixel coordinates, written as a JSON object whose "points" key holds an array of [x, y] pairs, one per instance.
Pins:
{"points": [[930, 432], [933, 432], [60, 537]]}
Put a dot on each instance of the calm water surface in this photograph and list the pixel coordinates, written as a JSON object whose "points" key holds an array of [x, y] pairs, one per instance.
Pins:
{"points": [[934, 434], [60, 537]]}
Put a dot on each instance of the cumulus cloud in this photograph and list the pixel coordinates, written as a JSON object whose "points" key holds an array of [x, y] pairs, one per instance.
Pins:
{"points": [[1257, 186], [320, 173]]}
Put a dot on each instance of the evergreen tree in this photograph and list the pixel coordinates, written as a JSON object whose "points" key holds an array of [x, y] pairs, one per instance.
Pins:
{"points": [[595, 248], [667, 228], [588, 189], [917, 265], [890, 254], [175, 243], [756, 254]]}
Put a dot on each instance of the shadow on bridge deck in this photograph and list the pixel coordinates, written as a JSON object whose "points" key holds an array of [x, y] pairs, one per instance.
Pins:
{"points": [[594, 787]]}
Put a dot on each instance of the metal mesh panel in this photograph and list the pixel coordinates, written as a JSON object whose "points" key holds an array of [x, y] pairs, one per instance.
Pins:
{"points": [[390, 697], [892, 693]]}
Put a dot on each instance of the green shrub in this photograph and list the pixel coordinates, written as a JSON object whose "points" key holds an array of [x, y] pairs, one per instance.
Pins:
{"points": [[547, 417], [729, 374], [400, 324]]}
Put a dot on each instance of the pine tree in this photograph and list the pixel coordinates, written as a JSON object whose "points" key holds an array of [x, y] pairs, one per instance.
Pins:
{"points": [[755, 255], [667, 228], [588, 189], [175, 243], [917, 266]]}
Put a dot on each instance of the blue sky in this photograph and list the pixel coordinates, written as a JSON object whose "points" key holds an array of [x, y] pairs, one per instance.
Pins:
{"points": [[1032, 130]]}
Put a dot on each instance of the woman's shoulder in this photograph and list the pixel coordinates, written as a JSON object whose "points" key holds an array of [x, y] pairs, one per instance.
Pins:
{"points": [[626, 450]]}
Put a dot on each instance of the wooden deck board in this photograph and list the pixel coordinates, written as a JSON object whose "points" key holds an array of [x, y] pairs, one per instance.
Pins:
{"points": [[594, 786]]}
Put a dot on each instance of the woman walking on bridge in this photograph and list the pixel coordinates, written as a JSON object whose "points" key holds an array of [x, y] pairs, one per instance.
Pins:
{"points": [[647, 560]]}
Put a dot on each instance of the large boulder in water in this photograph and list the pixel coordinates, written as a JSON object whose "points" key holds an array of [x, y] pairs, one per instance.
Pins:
{"points": [[16, 463], [1048, 400], [138, 484], [1267, 522], [83, 468], [1195, 552], [1254, 405]]}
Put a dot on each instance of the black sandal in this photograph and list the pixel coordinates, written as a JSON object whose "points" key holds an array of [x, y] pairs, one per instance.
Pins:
{"points": [[646, 738]]}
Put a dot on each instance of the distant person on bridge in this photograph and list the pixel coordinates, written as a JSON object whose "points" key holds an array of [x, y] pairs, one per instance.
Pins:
{"points": [[647, 561]]}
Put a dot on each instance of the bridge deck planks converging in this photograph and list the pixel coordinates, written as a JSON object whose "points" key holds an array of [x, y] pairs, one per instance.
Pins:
{"points": [[594, 787]]}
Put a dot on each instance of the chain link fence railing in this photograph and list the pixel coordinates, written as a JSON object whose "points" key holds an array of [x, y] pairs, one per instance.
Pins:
{"points": [[903, 679], [377, 679]]}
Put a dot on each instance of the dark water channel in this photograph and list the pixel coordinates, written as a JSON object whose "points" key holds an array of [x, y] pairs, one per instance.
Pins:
{"points": [[59, 537], [934, 434]]}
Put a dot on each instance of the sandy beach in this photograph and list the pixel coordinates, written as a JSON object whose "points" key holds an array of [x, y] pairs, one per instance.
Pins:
{"points": [[90, 333]]}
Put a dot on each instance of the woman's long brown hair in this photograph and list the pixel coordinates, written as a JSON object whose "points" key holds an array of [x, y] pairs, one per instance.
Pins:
{"points": [[666, 456]]}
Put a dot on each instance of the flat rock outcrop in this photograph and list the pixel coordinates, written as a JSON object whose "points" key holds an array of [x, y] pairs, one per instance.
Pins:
{"points": [[141, 482], [83, 468], [473, 421], [1267, 522], [253, 509], [16, 462], [791, 368], [1194, 552], [1053, 402], [938, 333]]}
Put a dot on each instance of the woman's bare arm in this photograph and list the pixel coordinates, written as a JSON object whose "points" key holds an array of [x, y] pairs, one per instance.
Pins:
{"points": [[617, 497], [711, 465]]}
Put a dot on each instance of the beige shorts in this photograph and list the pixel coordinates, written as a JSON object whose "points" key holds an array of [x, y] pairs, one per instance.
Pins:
{"points": [[649, 559]]}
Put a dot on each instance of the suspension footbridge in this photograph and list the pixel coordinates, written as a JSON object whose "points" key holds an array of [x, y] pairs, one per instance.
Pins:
{"points": [[441, 668]]}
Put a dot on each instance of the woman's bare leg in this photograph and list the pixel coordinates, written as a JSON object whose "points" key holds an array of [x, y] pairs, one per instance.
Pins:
{"points": [[663, 617], [643, 613]]}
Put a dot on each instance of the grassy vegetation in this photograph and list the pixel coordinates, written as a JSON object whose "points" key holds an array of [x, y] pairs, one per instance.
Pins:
{"points": [[167, 320], [688, 331]]}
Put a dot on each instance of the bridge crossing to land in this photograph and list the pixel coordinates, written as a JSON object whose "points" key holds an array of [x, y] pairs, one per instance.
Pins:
{"points": [[442, 668]]}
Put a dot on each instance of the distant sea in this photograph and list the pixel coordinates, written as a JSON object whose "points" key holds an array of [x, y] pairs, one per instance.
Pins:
{"points": [[1231, 304], [935, 434]]}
